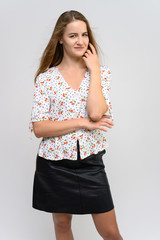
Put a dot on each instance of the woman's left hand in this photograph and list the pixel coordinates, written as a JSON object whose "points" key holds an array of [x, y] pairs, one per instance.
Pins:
{"points": [[91, 58]]}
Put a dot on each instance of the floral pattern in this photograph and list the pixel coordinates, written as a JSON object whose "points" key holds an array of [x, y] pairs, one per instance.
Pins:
{"points": [[55, 100]]}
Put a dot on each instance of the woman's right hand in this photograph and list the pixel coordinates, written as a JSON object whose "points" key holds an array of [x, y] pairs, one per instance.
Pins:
{"points": [[91, 125]]}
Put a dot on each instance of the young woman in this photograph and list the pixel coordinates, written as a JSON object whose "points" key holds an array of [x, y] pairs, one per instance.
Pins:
{"points": [[71, 97]]}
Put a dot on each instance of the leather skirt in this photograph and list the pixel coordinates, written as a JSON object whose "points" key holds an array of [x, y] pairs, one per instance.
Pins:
{"points": [[72, 186]]}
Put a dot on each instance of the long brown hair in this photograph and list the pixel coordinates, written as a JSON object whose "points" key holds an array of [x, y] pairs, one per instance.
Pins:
{"points": [[53, 53]]}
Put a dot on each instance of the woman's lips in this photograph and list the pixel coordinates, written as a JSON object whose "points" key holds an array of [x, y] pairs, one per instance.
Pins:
{"points": [[79, 48]]}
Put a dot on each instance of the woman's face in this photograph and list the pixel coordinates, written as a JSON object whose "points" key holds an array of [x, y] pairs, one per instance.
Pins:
{"points": [[75, 39]]}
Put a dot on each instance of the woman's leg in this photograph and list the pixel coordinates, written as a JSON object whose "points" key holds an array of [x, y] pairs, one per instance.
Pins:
{"points": [[106, 225], [62, 226]]}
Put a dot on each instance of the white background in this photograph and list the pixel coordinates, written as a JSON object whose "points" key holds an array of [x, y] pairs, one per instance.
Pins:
{"points": [[129, 35]]}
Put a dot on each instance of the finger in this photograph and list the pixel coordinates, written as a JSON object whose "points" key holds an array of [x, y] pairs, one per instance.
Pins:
{"points": [[108, 116], [112, 123], [92, 48], [103, 129], [109, 124], [86, 54], [106, 122], [88, 51]]}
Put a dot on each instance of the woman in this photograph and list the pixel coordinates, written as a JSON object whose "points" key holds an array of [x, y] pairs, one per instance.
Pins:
{"points": [[69, 102]]}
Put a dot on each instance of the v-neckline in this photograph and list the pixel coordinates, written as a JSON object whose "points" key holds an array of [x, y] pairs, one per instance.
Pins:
{"points": [[66, 81]]}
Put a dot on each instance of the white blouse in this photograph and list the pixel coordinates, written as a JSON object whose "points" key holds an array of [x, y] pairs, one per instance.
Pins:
{"points": [[55, 100]]}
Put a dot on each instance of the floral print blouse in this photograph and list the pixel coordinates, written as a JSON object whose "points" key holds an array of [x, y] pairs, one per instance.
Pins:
{"points": [[55, 100]]}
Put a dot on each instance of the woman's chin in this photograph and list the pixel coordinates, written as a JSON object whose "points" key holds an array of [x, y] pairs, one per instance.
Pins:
{"points": [[80, 55]]}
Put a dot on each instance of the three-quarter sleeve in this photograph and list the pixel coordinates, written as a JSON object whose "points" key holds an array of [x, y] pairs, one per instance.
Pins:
{"points": [[41, 101], [106, 88]]}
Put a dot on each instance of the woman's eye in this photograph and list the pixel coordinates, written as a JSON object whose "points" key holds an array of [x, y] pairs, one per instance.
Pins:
{"points": [[86, 34]]}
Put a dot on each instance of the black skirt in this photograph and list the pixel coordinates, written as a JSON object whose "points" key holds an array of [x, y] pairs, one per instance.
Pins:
{"points": [[72, 186]]}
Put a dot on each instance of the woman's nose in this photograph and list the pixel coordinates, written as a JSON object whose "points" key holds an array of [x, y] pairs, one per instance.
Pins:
{"points": [[79, 40]]}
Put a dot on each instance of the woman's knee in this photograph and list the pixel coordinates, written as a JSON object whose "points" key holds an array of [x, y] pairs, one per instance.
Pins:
{"points": [[62, 221], [112, 234]]}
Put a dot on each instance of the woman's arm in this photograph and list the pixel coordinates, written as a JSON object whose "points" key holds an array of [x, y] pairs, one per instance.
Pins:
{"points": [[96, 104], [48, 128]]}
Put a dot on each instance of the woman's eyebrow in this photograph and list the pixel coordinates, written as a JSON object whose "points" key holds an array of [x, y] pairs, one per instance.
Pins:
{"points": [[76, 33]]}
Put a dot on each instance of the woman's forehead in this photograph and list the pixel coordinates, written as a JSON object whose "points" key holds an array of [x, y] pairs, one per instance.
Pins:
{"points": [[76, 26]]}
